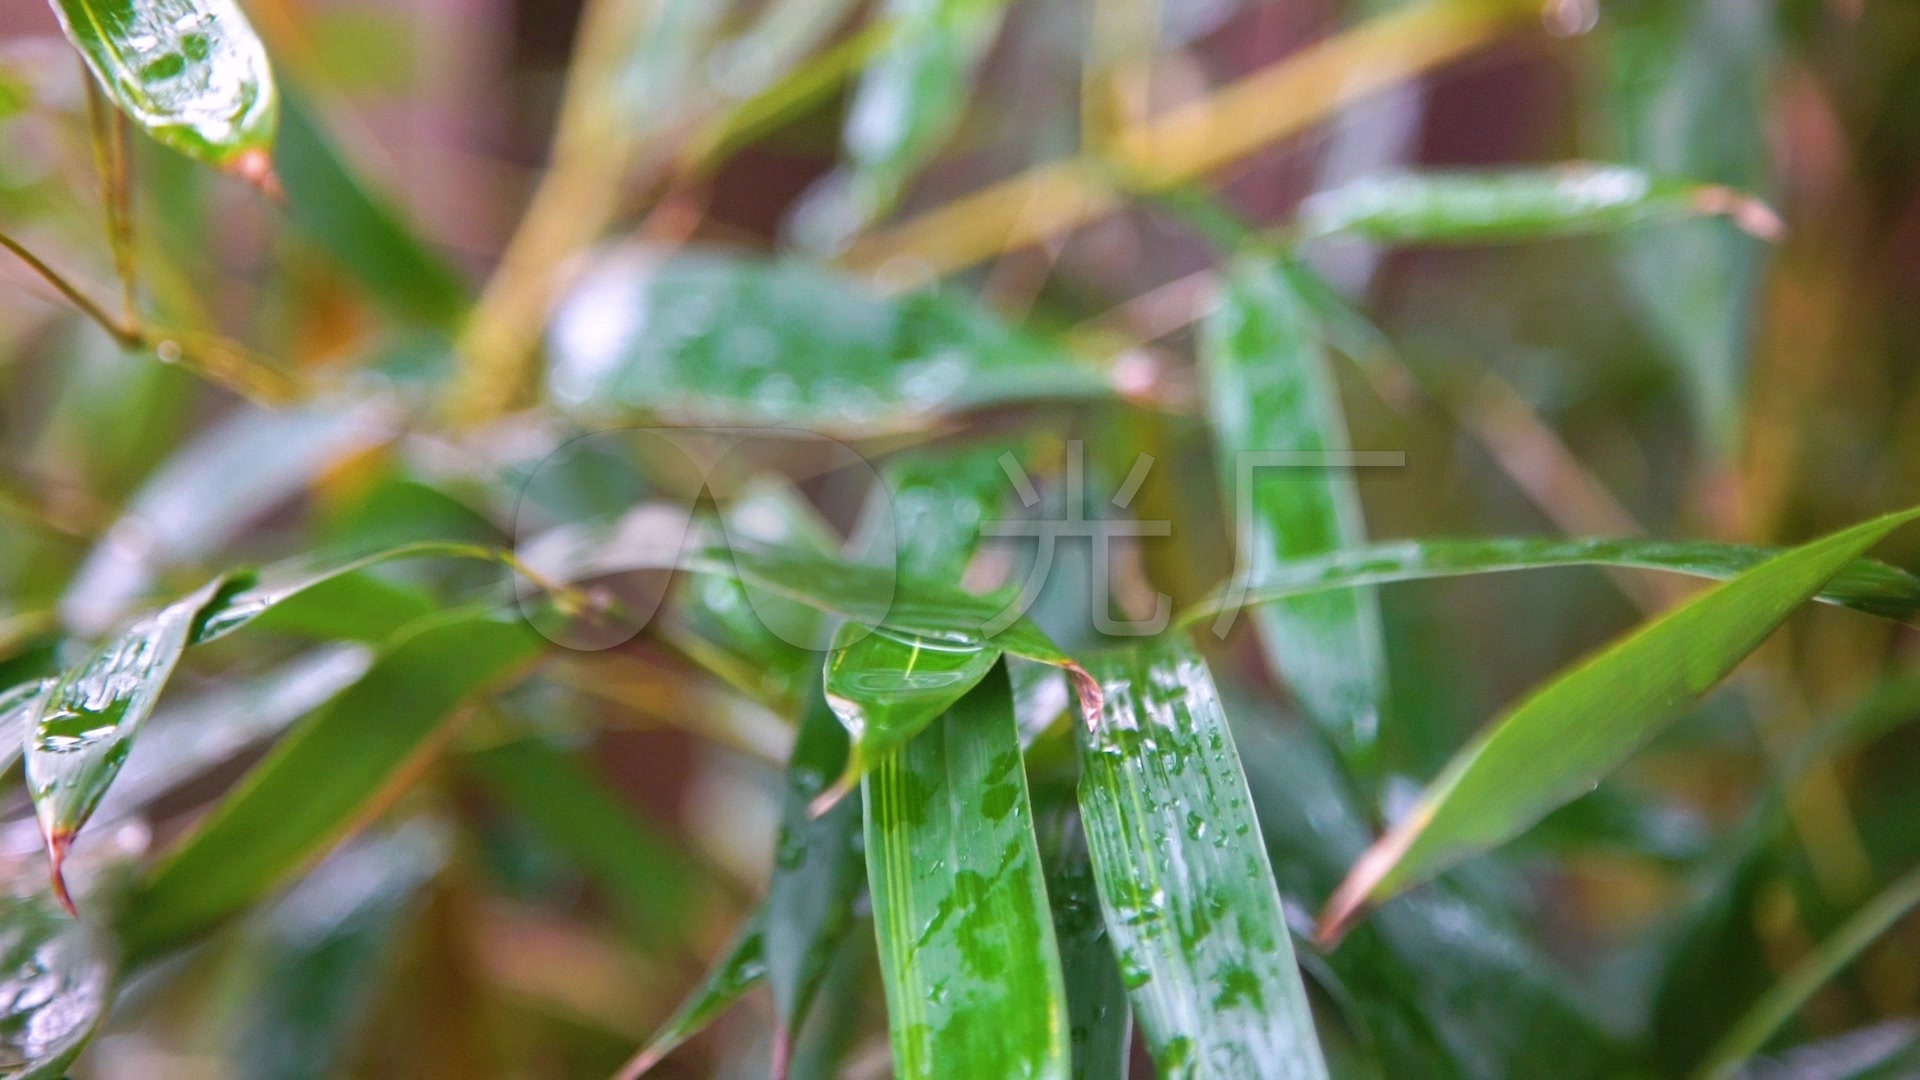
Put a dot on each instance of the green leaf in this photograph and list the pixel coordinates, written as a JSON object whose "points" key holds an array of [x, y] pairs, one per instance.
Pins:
{"points": [[738, 970], [1099, 1020], [328, 203], [56, 985], [190, 72], [282, 582], [967, 948], [817, 874], [19, 709], [591, 824], [1863, 585], [706, 336], [1571, 200], [1583, 724], [1184, 881], [908, 103], [886, 688], [328, 776], [316, 955], [85, 724], [1270, 393], [1799, 984]]}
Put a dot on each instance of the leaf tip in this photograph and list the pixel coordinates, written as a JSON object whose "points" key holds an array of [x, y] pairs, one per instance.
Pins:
{"points": [[827, 799], [1748, 214], [782, 1054], [255, 166], [1092, 699], [57, 845], [1357, 894]]}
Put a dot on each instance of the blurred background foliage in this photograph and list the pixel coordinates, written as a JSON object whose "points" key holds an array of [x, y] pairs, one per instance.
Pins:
{"points": [[469, 186]]}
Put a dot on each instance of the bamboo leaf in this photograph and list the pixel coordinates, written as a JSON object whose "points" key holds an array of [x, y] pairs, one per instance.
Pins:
{"points": [[20, 707], [84, 726], [1584, 723], [364, 744], [1270, 392], [1099, 1020], [886, 688], [1864, 585], [1184, 881], [818, 871], [191, 72], [1842, 947], [967, 947], [1571, 200], [56, 983], [331, 205], [739, 968], [694, 337]]}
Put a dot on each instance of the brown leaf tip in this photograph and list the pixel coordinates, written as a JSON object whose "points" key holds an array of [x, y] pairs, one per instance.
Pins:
{"points": [[1749, 214], [1093, 700], [57, 845], [255, 166]]}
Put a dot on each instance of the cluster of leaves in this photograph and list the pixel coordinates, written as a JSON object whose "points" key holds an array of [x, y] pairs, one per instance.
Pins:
{"points": [[1044, 830]]}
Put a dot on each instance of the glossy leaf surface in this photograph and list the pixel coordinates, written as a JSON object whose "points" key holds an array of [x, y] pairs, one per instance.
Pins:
{"points": [[1270, 393], [56, 984], [1583, 724], [191, 72], [1864, 585], [1184, 881], [967, 947], [720, 338], [364, 744], [1535, 205], [887, 687], [1099, 1019], [85, 725], [738, 970]]}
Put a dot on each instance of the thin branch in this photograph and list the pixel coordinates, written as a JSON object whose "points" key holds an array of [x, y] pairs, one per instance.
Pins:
{"points": [[107, 127], [127, 336]]}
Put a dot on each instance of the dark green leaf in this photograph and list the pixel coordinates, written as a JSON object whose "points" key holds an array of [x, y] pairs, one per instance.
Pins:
{"points": [[739, 968], [1270, 393], [1863, 585], [1099, 1020], [1184, 881], [713, 337], [327, 777], [85, 725], [591, 824], [1570, 200], [191, 72], [817, 873], [960, 908], [1583, 724], [316, 954], [886, 688], [328, 203], [56, 984]]}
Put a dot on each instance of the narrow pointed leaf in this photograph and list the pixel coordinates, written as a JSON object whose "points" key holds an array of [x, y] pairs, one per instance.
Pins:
{"points": [[1864, 585], [19, 709], [1099, 1019], [1571, 200], [817, 873], [1184, 881], [967, 947], [886, 688], [336, 769], [331, 205], [1270, 392], [56, 985], [697, 337], [85, 725], [913, 94], [1583, 724], [191, 72], [1841, 948], [738, 970]]}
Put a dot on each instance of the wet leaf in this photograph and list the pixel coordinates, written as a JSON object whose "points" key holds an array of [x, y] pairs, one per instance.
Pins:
{"points": [[1842, 947], [966, 939], [1184, 881], [887, 687], [365, 744], [1570, 200], [738, 970], [19, 708], [56, 983], [330, 204], [1099, 1020], [1864, 585], [318, 954], [721, 338], [1583, 724], [1270, 393], [817, 874], [191, 72], [85, 724]]}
